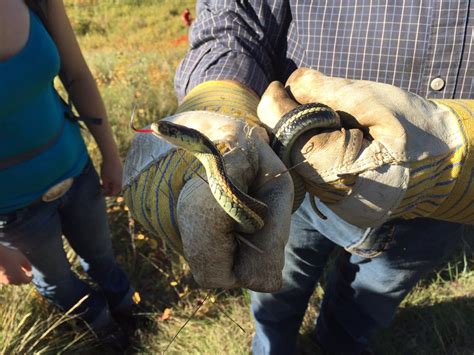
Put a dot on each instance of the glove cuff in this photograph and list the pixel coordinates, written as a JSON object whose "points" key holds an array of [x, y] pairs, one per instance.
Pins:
{"points": [[152, 196], [458, 207], [441, 187], [226, 97]]}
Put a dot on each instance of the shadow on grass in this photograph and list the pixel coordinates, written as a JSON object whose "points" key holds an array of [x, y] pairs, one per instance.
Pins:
{"points": [[437, 317], [443, 322], [442, 328], [166, 287]]}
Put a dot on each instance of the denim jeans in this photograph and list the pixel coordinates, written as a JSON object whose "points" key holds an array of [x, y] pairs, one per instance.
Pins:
{"points": [[80, 215], [365, 285]]}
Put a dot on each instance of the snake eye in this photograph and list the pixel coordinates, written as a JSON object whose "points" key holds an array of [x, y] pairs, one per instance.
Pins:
{"points": [[173, 131]]}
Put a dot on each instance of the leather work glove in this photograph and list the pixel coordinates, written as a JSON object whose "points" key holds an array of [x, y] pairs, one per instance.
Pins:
{"points": [[396, 155], [166, 191]]}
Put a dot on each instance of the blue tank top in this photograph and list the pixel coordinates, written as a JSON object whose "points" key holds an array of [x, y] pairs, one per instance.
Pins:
{"points": [[31, 115]]}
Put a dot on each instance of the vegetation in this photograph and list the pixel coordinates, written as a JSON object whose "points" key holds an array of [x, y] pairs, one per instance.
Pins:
{"points": [[133, 48]]}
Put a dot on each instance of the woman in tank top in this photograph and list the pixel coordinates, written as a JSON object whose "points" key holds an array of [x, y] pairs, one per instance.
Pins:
{"points": [[48, 186]]}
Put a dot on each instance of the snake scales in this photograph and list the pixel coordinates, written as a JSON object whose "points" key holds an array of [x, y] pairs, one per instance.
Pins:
{"points": [[247, 211]]}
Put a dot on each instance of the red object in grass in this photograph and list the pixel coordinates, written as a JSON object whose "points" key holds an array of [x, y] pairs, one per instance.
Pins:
{"points": [[186, 16]]}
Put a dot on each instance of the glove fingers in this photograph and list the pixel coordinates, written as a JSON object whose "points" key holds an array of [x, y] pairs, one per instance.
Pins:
{"points": [[319, 158], [275, 102], [216, 255], [206, 234], [363, 104], [262, 271], [353, 99], [307, 85]]}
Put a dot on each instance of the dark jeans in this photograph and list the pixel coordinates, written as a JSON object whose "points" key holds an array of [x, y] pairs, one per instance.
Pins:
{"points": [[362, 292], [81, 216]]}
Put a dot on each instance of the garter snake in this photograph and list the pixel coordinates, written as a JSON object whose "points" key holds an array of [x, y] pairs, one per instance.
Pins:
{"points": [[247, 211], [301, 119]]}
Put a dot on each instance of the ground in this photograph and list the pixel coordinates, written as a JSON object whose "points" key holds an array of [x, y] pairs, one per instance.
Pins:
{"points": [[136, 70]]}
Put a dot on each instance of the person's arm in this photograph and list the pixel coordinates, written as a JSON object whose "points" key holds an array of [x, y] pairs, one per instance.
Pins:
{"points": [[397, 155], [83, 91], [15, 269], [229, 64], [232, 43]]}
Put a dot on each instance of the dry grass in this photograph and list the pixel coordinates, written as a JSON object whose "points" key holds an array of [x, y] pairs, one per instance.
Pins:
{"points": [[133, 48]]}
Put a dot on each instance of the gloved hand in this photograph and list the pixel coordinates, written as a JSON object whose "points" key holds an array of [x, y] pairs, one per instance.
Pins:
{"points": [[168, 194], [15, 269], [397, 155]]}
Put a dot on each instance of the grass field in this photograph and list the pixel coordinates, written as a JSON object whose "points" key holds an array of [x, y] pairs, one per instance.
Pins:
{"points": [[133, 48]]}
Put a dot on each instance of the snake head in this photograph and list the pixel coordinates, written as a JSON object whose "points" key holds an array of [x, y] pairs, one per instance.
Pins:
{"points": [[165, 129], [184, 137]]}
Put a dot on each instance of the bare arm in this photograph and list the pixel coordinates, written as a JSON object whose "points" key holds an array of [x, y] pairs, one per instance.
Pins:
{"points": [[83, 91]]}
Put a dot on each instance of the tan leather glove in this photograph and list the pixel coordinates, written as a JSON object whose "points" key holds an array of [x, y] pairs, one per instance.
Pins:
{"points": [[166, 192], [398, 155]]}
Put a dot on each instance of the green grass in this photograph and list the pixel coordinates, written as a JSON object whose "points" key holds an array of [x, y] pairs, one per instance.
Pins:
{"points": [[133, 48]]}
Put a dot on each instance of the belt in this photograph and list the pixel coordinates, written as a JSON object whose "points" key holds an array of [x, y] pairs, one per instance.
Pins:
{"points": [[53, 193], [57, 190]]}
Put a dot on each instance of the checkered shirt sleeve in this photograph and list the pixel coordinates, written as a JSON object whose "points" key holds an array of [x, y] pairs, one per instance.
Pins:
{"points": [[421, 46]]}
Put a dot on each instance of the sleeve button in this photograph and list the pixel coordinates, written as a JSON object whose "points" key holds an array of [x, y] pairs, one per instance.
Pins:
{"points": [[437, 84]]}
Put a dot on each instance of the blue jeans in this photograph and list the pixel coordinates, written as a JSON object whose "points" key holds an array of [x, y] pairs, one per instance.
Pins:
{"points": [[81, 216], [365, 285]]}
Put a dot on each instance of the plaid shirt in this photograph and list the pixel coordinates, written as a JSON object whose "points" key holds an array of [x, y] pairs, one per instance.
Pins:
{"points": [[423, 46]]}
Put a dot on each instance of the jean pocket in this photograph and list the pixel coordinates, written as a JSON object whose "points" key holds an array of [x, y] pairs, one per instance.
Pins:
{"points": [[21, 217], [374, 241], [7, 219], [13, 226]]}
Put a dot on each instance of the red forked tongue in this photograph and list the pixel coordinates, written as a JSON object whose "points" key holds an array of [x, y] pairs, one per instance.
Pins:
{"points": [[136, 129], [143, 130]]}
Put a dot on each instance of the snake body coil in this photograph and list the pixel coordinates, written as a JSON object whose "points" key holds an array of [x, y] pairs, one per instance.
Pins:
{"points": [[292, 125], [247, 211]]}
